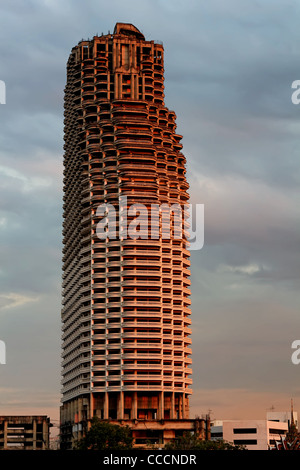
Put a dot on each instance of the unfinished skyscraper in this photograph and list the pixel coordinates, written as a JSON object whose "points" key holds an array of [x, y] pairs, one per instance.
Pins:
{"points": [[126, 307]]}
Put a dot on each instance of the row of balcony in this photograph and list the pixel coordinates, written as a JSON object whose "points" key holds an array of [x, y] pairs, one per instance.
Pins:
{"points": [[75, 391]]}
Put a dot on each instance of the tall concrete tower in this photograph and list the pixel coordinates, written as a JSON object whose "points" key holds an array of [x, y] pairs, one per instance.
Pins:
{"points": [[125, 316]]}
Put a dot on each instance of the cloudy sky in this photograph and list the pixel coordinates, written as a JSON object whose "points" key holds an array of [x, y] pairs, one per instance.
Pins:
{"points": [[229, 67]]}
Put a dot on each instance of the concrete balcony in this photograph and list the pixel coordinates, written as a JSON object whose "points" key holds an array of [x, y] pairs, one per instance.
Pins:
{"points": [[140, 293], [142, 355], [140, 262], [142, 324], [142, 303], [147, 345], [96, 336], [145, 377], [143, 283], [142, 334], [145, 313]]}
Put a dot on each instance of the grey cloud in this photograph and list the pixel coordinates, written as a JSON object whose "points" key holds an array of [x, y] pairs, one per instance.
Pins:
{"points": [[229, 68]]}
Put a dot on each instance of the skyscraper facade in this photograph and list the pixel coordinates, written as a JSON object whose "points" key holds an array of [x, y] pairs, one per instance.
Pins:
{"points": [[126, 309]]}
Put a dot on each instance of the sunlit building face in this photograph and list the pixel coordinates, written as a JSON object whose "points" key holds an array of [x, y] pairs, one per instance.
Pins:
{"points": [[126, 307]]}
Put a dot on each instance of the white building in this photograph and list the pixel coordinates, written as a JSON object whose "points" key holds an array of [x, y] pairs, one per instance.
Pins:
{"points": [[253, 434]]}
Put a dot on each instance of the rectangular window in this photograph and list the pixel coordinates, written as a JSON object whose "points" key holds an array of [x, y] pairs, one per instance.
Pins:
{"points": [[245, 442], [244, 431]]}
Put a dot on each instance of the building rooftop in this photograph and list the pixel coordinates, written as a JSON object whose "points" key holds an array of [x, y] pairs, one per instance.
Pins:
{"points": [[128, 29]]}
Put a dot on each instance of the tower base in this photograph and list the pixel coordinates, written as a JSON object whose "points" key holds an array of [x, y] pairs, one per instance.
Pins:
{"points": [[154, 419]]}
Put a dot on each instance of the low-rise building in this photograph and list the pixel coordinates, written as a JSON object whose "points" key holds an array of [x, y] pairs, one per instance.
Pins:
{"points": [[253, 434], [24, 432]]}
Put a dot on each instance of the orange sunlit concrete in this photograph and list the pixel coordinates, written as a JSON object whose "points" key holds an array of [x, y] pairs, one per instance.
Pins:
{"points": [[126, 307]]}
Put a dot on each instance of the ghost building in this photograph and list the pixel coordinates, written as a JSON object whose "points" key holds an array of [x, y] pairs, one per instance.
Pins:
{"points": [[126, 347]]}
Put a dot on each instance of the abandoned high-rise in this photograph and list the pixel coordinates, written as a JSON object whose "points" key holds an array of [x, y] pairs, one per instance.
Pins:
{"points": [[126, 308]]}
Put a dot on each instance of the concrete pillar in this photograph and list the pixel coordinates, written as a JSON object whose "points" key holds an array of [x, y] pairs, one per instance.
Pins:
{"points": [[134, 405], [114, 55], [34, 435], [5, 434], [92, 405], [180, 406], [183, 406], [187, 413], [120, 86], [116, 88], [45, 435], [132, 86], [143, 87], [117, 64], [131, 56], [106, 406], [161, 405], [173, 406], [120, 412], [136, 87]]}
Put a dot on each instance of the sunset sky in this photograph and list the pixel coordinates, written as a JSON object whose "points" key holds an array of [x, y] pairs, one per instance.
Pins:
{"points": [[229, 67]]}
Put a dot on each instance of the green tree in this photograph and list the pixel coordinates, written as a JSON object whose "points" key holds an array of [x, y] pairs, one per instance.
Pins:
{"points": [[190, 441], [103, 435]]}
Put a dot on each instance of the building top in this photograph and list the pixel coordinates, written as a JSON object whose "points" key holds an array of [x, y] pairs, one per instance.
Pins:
{"points": [[128, 29], [24, 418]]}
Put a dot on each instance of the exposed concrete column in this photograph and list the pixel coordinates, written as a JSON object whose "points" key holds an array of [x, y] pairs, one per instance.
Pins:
{"points": [[132, 95], [180, 406], [45, 435], [5, 434], [116, 86], [143, 87], [120, 413], [106, 406], [134, 405], [92, 406], [34, 435], [117, 55], [114, 56], [136, 87], [133, 56], [183, 406], [120, 91], [161, 405], [187, 408], [173, 406]]}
